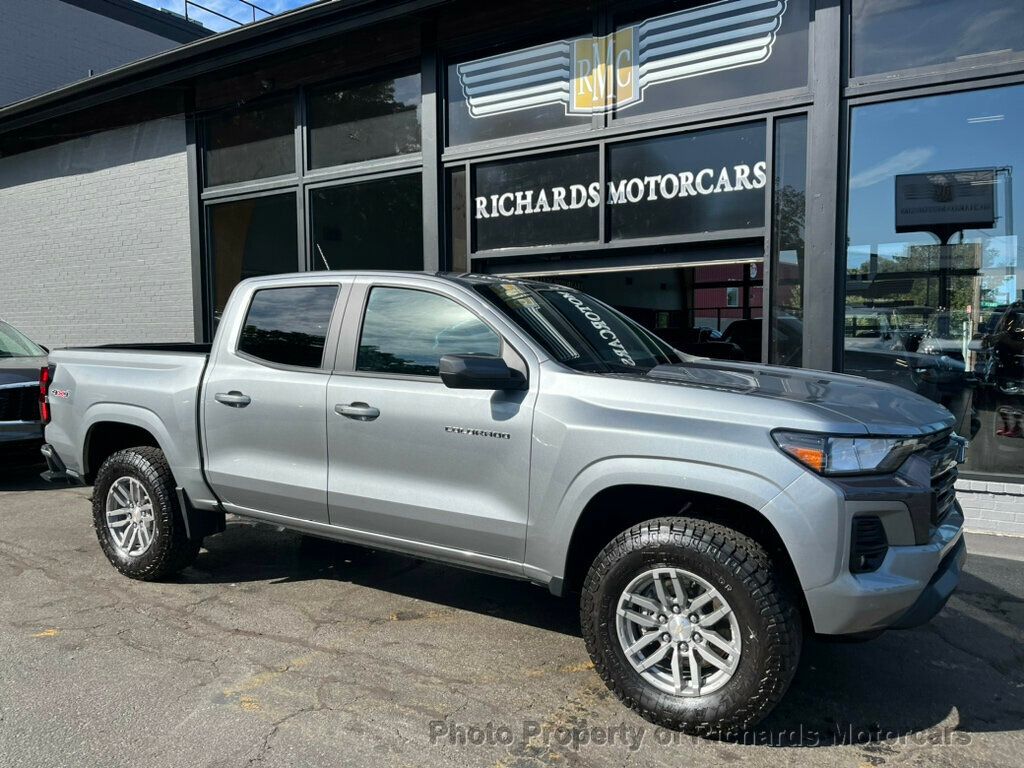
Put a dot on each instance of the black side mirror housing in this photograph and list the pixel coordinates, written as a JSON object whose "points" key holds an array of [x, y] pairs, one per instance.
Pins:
{"points": [[479, 372]]}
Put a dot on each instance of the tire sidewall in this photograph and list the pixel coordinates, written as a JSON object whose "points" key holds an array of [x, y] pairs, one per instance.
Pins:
{"points": [[678, 549], [131, 463]]}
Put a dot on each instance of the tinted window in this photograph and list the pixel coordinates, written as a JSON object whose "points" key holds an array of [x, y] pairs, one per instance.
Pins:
{"points": [[692, 182], [892, 35], [667, 57], [288, 326], [352, 124], [252, 143], [788, 211], [537, 201], [369, 225], [250, 238], [934, 263], [407, 332]]}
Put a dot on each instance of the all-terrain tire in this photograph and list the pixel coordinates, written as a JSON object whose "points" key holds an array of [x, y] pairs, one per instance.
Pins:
{"points": [[171, 550], [763, 602]]}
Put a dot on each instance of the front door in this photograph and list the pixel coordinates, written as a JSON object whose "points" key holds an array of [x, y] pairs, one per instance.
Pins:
{"points": [[265, 404], [413, 461]]}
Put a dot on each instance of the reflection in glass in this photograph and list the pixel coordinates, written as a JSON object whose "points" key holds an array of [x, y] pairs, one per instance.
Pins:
{"points": [[788, 212], [250, 238], [407, 332], [254, 142], [370, 225], [934, 263], [288, 326], [350, 125], [892, 35]]}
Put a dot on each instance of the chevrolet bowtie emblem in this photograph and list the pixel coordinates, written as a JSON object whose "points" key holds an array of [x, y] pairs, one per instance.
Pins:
{"points": [[598, 74]]}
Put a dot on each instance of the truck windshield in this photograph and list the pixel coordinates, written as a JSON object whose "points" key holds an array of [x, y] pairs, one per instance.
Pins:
{"points": [[15, 344], [577, 330]]}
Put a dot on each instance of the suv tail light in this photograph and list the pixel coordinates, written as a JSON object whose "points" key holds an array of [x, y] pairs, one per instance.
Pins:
{"points": [[44, 394]]}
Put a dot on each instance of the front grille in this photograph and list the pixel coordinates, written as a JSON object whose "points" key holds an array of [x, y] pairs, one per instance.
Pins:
{"points": [[868, 544], [941, 454], [19, 403]]}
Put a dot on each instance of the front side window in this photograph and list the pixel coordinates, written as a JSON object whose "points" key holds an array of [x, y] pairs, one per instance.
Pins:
{"points": [[935, 265], [577, 330], [288, 326], [407, 332]]}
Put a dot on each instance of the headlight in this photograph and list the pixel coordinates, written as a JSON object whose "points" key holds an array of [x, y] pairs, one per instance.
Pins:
{"points": [[828, 455]]}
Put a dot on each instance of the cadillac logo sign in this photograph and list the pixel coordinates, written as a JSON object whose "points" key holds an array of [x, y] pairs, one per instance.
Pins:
{"points": [[598, 74]]}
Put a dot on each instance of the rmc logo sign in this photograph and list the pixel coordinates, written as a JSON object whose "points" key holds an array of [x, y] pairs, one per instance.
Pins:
{"points": [[597, 74]]}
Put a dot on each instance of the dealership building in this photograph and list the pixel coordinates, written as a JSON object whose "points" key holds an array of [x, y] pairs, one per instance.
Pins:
{"points": [[819, 183]]}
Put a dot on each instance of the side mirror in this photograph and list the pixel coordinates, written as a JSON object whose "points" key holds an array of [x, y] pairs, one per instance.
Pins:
{"points": [[479, 372]]}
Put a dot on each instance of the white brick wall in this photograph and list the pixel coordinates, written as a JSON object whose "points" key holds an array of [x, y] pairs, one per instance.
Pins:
{"points": [[45, 44], [94, 238], [992, 507]]}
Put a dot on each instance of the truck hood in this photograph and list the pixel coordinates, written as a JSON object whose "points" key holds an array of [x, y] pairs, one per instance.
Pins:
{"points": [[882, 409], [20, 370]]}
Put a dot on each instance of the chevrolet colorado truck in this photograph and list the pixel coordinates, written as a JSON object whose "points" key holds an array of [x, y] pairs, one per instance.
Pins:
{"points": [[708, 513]]}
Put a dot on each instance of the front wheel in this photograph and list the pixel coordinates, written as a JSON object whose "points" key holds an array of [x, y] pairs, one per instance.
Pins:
{"points": [[137, 517], [690, 624]]}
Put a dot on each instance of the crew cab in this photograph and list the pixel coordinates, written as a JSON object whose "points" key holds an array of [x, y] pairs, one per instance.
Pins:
{"points": [[708, 513]]}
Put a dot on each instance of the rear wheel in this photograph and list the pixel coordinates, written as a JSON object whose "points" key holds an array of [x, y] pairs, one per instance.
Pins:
{"points": [[690, 624], [137, 517]]}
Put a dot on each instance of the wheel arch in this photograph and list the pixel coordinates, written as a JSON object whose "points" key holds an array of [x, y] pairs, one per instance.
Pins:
{"points": [[109, 433]]}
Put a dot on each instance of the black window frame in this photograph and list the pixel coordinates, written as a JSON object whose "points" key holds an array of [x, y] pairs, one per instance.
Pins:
{"points": [[326, 358]]}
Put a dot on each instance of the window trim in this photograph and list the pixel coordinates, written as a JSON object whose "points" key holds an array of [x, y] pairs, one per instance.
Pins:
{"points": [[348, 357], [330, 339]]}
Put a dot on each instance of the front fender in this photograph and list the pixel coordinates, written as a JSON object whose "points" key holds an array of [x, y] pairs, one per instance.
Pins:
{"points": [[550, 535]]}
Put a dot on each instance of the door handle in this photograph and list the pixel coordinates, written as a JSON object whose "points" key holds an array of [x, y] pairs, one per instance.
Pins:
{"points": [[233, 398], [357, 411]]}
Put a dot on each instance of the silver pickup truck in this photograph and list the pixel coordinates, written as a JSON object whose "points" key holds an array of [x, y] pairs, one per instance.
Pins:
{"points": [[707, 513]]}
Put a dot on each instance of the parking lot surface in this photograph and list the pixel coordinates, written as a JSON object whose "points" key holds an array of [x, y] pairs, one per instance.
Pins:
{"points": [[274, 650]]}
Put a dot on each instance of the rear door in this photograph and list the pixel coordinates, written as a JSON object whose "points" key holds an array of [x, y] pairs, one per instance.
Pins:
{"points": [[443, 470], [265, 401]]}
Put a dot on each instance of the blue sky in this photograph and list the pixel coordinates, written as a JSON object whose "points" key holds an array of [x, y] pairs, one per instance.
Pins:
{"points": [[232, 8]]}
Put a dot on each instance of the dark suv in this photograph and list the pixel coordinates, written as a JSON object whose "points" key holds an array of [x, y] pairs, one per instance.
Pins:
{"points": [[21, 432]]}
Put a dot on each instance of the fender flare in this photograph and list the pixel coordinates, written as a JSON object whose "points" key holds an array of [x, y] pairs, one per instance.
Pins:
{"points": [[550, 550], [131, 415]]}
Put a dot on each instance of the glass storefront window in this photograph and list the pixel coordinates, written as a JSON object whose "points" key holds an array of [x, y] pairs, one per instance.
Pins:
{"points": [[692, 182], [894, 35], [256, 142], [788, 211], [250, 238], [664, 57], [364, 122], [536, 200], [935, 268], [511, 94], [368, 225]]}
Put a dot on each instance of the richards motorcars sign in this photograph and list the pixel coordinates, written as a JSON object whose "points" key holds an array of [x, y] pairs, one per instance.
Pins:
{"points": [[589, 75]]}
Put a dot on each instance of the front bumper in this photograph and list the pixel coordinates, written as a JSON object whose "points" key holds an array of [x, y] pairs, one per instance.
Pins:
{"points": [[911, 586]]}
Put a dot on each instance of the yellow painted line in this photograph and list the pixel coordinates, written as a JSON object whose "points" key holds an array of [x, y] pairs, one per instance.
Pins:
{"points": [[47, 633]]}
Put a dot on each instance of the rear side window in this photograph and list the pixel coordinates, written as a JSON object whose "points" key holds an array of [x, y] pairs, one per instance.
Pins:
{"points": [[406, 331], [288, 326]]}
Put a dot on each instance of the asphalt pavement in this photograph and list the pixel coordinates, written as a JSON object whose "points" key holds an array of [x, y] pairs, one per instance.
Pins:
{"points": [[274, 650]]}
